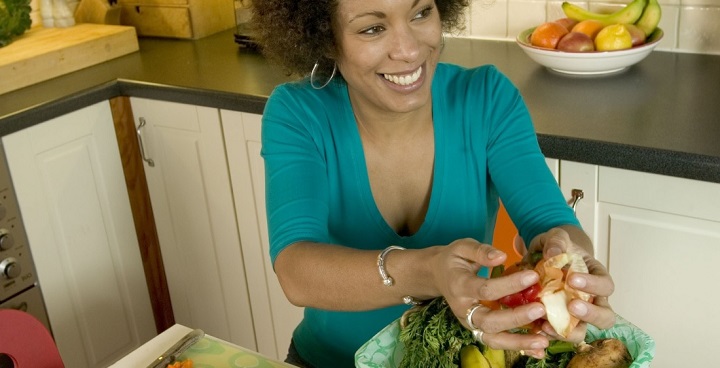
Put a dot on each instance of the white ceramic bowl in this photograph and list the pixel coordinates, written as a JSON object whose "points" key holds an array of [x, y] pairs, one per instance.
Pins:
{"points": [[588, 63]]}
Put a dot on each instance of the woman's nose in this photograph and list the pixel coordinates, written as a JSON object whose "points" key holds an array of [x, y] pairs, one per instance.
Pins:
{"points": [[405, 45]]}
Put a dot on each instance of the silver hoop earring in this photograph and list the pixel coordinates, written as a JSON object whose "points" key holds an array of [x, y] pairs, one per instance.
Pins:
{"points": [[314, 70]]}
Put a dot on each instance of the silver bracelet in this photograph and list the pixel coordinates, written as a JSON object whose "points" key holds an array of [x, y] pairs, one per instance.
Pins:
{"points": [[387, 280]]}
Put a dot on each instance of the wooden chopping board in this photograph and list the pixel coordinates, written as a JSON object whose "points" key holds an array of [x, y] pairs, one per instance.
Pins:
{"points": [[44, 53]]}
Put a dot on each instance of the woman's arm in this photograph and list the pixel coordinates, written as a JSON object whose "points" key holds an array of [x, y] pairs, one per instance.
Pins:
{"points": [[335, 277]]}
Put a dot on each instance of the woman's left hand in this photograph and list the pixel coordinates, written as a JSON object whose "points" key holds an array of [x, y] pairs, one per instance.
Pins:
{"points": [[597, 282], [456, 278]]}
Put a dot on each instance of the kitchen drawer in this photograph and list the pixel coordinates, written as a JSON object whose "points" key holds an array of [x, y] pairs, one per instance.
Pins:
{"points": [[158, 21], [178, 18], [680, 196]]}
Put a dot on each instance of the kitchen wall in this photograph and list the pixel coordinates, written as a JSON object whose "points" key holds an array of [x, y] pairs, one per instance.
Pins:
{"points": [[35, 13], [689, 25]]}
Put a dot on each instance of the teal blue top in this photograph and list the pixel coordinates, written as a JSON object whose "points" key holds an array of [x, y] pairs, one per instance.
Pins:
{"points": [[317, 186]]}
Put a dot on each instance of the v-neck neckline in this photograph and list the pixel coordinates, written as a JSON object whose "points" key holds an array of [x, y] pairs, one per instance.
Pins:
{"points": [[363, 179]]}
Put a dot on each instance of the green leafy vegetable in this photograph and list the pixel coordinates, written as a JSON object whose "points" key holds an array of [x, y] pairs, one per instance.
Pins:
{"points": [[433, 337], [14, 19], [558, 355]]}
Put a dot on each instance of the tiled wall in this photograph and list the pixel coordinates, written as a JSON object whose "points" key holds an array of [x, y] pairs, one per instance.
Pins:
{"points": [[689, 25], [35, 13]]}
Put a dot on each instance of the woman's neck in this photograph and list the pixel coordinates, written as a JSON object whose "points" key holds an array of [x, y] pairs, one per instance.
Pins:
{"points": [[385, 127]]}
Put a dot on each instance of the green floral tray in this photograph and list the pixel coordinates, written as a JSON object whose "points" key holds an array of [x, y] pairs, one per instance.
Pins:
{"points": [[385, 351], [210, 352]]}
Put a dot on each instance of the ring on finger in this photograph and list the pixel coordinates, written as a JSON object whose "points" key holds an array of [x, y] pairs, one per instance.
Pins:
{"points": [[469, 316], [478, 335]]}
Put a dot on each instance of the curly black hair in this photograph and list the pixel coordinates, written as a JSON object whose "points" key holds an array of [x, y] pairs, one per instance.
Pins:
{"points": [[296, 34]]}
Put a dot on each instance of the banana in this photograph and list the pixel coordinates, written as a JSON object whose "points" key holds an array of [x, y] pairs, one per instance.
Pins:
{"points": [[627, 15], [471, 357], [650, 17], [495, 357]]}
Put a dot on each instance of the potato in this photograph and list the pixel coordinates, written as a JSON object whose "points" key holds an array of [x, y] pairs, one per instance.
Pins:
{"points": [[603, 353]]}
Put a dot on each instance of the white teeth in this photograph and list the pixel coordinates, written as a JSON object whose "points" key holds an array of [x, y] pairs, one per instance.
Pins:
{"points": [[404, 80]]}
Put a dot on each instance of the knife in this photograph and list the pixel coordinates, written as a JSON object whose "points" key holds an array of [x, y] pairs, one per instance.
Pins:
{"points": [[170, 355]]}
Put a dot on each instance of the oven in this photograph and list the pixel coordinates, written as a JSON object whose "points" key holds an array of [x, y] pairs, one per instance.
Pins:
{"points": [[19, 287]]}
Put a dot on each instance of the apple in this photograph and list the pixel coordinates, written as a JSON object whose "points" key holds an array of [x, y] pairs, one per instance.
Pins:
{"points": [[637, 35], [576, 42], [567, 23]]}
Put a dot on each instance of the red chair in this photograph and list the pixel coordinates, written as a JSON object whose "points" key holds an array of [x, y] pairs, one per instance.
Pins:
{"points": [[25, 342]]}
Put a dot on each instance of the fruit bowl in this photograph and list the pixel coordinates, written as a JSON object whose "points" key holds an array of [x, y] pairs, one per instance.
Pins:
{"points": [[588, 63]]}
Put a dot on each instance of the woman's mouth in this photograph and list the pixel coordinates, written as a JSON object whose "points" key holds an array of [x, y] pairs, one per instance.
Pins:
{"points": [[404, 80]]}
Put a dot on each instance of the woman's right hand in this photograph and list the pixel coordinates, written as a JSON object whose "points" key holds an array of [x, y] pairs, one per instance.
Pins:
{"points": [[455, 273]]}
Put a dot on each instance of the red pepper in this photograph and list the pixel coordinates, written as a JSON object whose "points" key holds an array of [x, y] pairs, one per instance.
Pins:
{"points": [[526, 296], [529, 295]]}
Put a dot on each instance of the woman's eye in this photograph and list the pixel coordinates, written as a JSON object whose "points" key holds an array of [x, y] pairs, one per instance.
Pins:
{"points": [[424, 13], [372, 30]]}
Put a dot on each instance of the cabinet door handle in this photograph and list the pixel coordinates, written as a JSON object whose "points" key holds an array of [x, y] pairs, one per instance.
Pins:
{"points": [[576, 196], [149, 161]]}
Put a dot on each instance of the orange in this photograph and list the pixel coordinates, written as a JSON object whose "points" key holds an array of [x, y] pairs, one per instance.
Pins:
{"points": [[590, 27], [547, 35]]}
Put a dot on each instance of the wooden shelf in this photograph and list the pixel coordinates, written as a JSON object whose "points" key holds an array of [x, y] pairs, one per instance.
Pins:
{"points": [[44, 53]]}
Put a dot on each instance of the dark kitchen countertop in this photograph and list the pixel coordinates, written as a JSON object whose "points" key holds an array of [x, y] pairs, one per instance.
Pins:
{"points": [[660, 116]]}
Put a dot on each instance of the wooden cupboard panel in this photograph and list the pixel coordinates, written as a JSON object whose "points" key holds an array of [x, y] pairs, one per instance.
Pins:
{"points": [[664, 267], [193, 206], [143, 217], [178, 18], [273, 330], [70, 187], [158, 21]]}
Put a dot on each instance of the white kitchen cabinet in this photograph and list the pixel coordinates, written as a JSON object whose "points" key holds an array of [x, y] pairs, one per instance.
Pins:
{"points": [[192, 202], [71, 191], [274, 328], [660, 238], [583, 177]]}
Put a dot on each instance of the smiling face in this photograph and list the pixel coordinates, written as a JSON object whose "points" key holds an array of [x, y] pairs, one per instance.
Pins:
{"points": [[388, 52]]}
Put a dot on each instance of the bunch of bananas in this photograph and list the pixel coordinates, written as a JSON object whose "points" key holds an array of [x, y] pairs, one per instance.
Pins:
{"points": [[645, 14], [472, 357]]}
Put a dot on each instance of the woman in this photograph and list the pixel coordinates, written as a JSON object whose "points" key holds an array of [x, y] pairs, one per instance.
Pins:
{"points": [[384, 146]]}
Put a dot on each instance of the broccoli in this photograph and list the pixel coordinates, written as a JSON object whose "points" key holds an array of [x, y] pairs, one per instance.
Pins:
{"points": [[14, 19]]}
